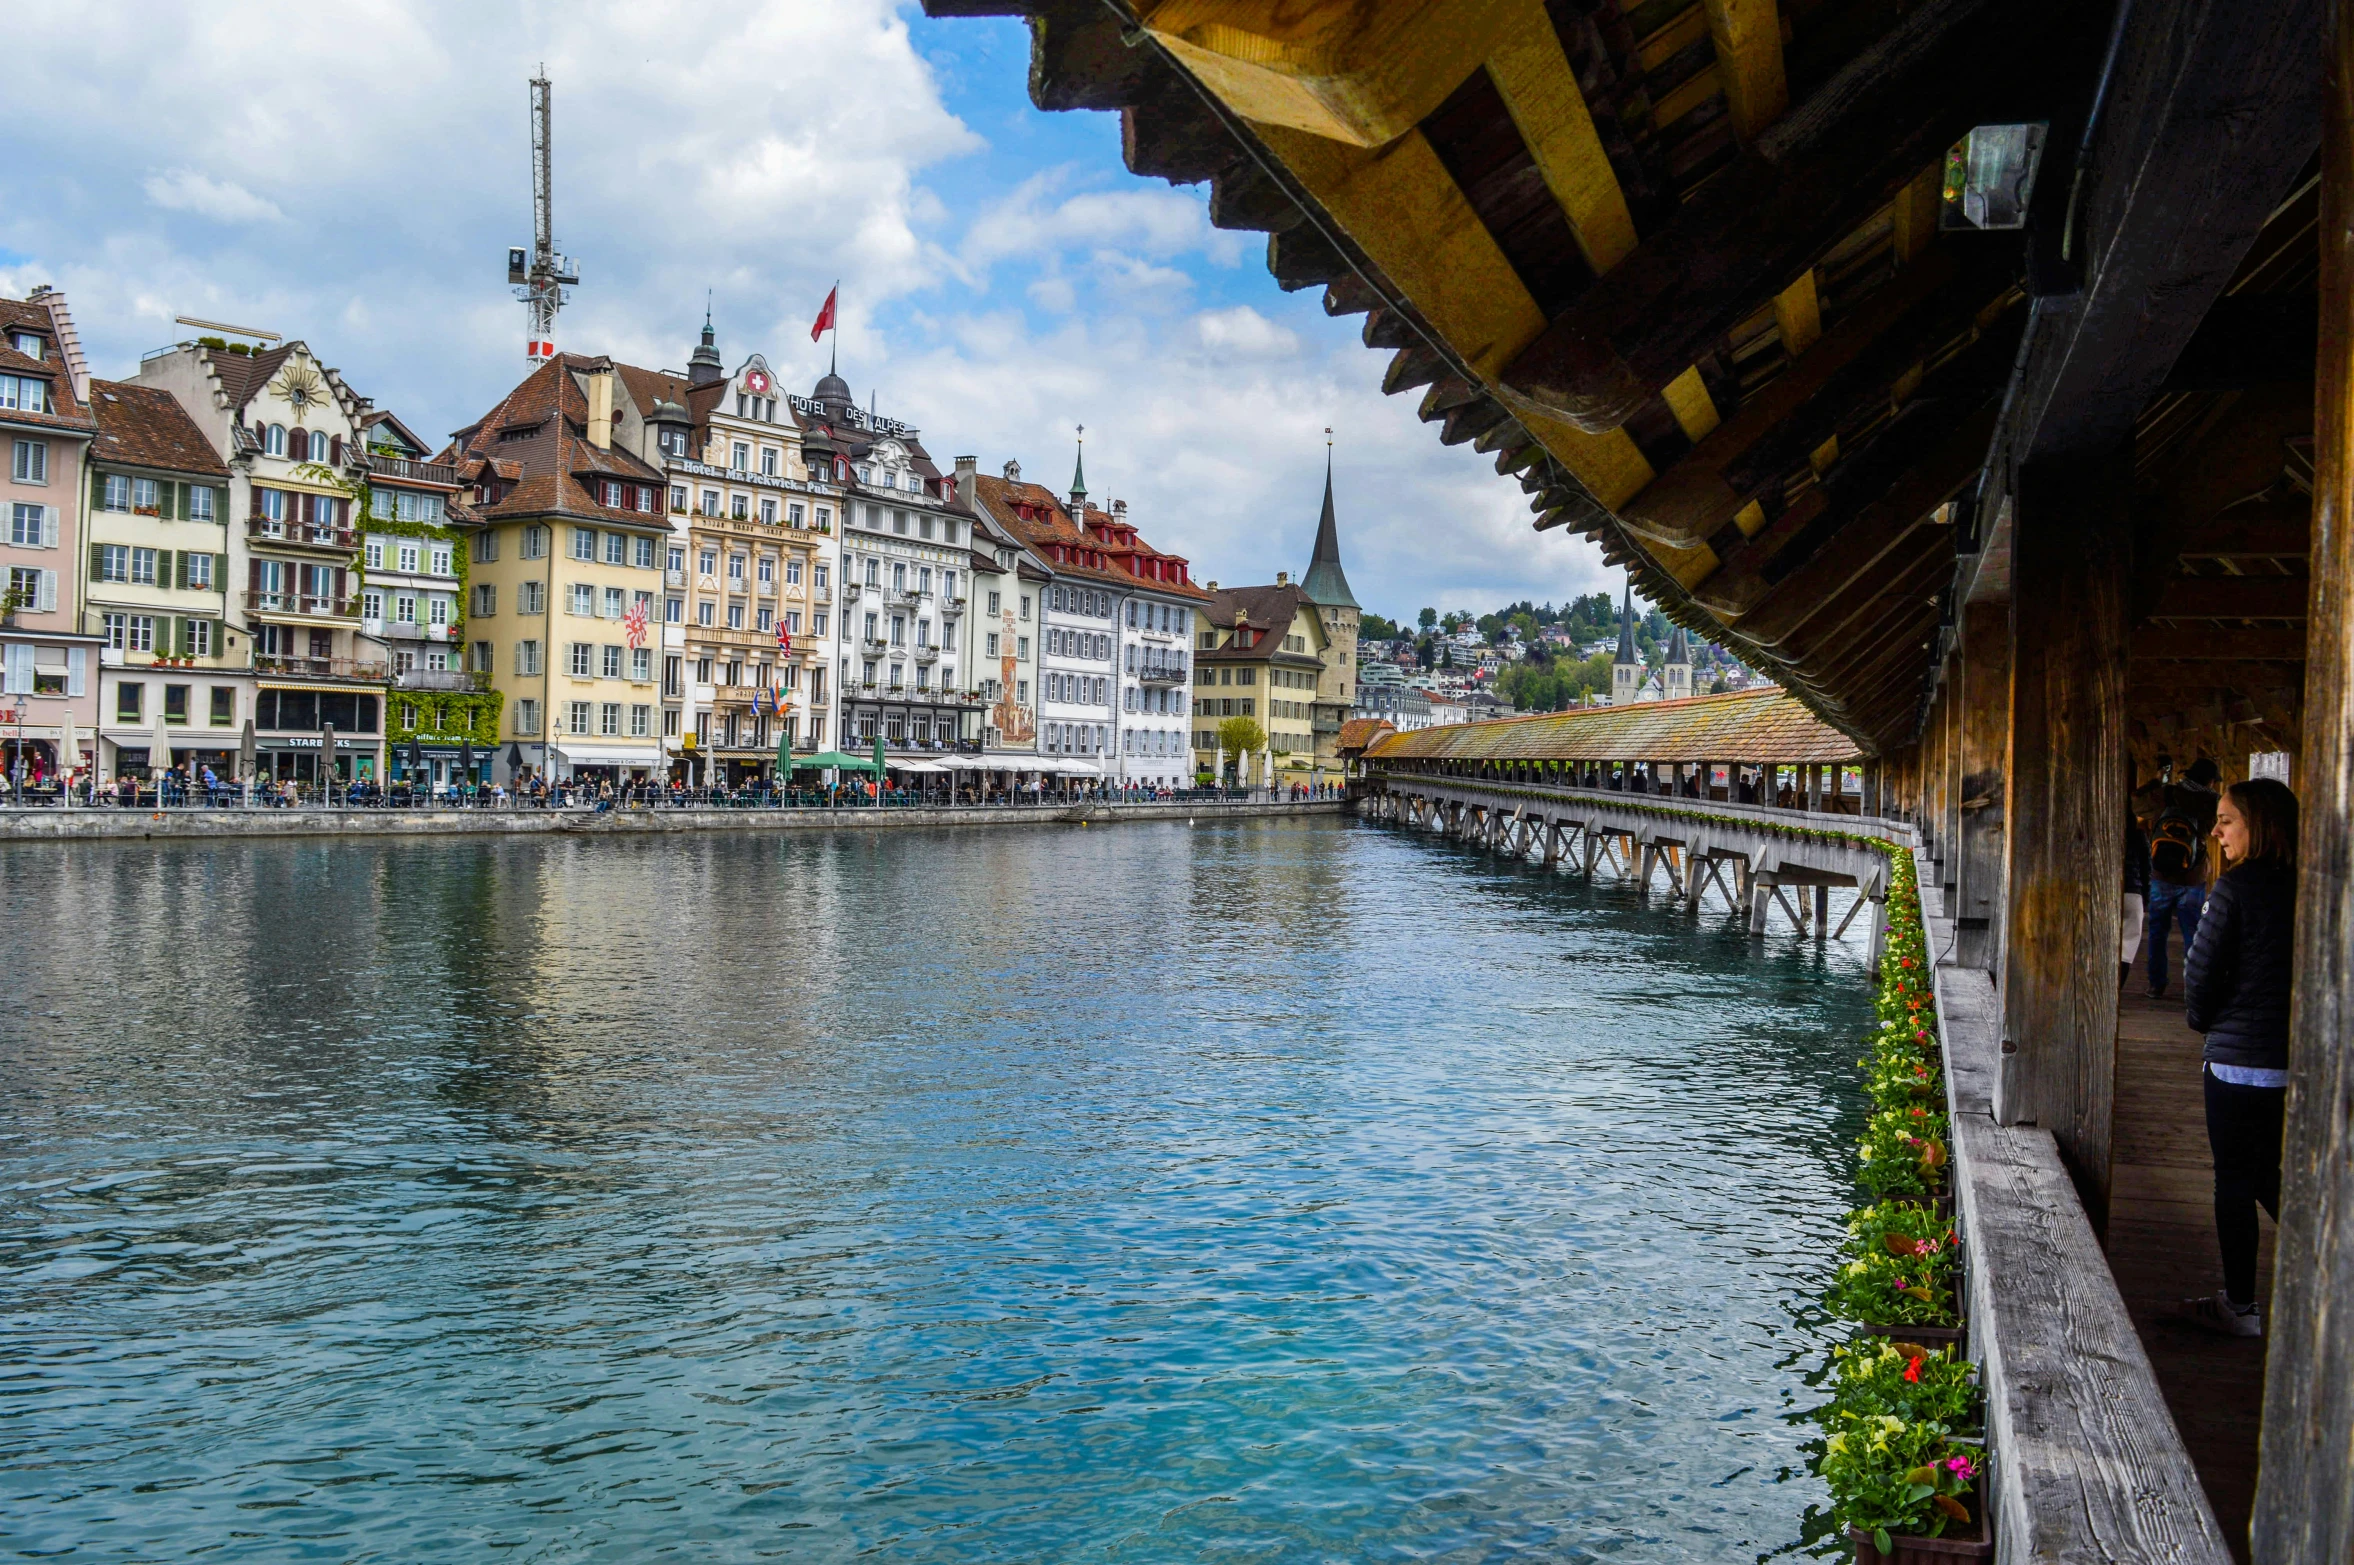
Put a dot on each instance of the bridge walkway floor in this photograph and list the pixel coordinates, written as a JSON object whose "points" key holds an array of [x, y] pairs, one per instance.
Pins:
{"points": [[2162, 1249]]}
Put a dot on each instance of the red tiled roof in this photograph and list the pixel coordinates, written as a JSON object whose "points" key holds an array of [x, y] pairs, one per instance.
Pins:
{"points": [[1050, 528], [145, 426], [1358, 732], [33, 315], [1749, 726], [1269, 611]]}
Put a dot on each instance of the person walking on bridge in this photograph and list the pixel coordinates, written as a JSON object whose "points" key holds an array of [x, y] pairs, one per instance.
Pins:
{"points": [[2178, 865], [2236, 982]]}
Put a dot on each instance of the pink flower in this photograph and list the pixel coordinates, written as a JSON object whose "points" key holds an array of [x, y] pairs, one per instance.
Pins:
{"points": [[1961, 1465]]}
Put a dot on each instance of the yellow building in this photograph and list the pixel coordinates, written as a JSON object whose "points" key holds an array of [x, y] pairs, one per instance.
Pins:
{"points": [[1260, 654], [566, 577]]}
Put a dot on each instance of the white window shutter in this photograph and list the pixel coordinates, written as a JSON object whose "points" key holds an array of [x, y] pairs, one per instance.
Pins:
{"points": [[49, 527], [20, 668], [47, 603], [77, 670]]}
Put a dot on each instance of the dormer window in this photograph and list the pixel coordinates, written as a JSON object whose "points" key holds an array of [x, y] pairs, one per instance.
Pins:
{"points": [[25, 343]]}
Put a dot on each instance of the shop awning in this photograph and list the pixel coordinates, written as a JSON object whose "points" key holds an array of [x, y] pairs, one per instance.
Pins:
{"points": [[609, 755], [928, 767]]}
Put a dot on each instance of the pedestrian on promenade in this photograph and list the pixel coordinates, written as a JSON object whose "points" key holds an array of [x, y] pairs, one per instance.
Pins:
{"points": [[2178, 864], [2236, 982]]}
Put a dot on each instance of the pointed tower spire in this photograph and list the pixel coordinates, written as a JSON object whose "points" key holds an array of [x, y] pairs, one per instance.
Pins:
{"points": [[1626, 629], [1626, 670], [1079, 479], [703, 366], [1326, 584]]}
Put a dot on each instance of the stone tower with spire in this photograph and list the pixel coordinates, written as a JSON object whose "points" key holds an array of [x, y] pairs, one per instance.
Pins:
{"points": [[1327, 587], [1626, 670], [703, 366], [1675, 676]]}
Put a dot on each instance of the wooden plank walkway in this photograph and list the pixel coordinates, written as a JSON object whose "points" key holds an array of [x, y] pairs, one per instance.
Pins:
{"points": [[2161, 1246]]}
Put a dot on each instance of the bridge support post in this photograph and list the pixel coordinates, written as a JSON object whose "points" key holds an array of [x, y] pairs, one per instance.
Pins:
{"points": [[1986, 735], [1879, 939], [2065, 806], [1822, 911], [1761, 896]]}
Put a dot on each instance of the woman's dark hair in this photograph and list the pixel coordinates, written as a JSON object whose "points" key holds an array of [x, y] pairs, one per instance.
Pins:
{"points": [[2270, 810]]}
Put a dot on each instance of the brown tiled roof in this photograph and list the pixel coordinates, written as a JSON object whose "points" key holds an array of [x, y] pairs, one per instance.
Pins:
{"points": [[1749, 726], [243, 374], [145, 426], [647, 387], [1269, 610], [551, 470], [1358, 732], [34, 315], [1002, 496]]}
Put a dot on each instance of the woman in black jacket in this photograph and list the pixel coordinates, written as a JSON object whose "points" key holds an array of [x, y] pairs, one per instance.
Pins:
{"points": [[2236, 980]]}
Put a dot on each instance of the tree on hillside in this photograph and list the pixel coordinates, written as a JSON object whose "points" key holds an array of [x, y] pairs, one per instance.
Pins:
{"points": [[1427, 618], [1374, 627]]}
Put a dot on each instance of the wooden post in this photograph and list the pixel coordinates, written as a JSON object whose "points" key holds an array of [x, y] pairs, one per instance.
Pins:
{"points": [[2304, 1488], [2065, 805], [1949, 830], [1985, 673]]}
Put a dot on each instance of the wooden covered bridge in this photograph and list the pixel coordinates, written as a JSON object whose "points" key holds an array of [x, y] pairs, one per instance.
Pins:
{"points": [[1983, 371], [1747, 795]]}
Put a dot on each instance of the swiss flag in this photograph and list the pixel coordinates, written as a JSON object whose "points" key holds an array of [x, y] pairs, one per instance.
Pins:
{"points": [[825, 317]]}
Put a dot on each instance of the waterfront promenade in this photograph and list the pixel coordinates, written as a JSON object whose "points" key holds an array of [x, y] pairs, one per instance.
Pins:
{"points": [[81, 825]]}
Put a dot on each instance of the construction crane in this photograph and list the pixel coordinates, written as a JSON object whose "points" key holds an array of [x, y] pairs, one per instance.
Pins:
{"points": [[541, 275]]}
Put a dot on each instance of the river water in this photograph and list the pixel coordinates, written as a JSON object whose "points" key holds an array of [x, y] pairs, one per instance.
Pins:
{"points": [[1284, 1191]]}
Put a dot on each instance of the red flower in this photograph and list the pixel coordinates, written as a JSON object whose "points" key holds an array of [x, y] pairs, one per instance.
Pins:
{"points": [[1912, 1371]]}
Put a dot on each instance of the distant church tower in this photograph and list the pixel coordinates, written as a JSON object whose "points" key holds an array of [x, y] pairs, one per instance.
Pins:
{"points": [[1626, 670], [1676, 676], [1327, 587]]}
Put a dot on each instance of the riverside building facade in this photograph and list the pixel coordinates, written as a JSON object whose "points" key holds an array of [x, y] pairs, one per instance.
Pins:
{"points": [[567, 566], [48, 695], [157, 597], [748, 582], [286, 425], [907, 573]]}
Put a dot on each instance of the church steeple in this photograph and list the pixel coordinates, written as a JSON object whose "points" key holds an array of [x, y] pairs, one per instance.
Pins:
{"points": [[1079, 479], [1626, 670], [1675, 674], [1326, 584]]}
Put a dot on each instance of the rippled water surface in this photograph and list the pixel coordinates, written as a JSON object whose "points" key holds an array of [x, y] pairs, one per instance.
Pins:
{"points": [[1294, 1191]]}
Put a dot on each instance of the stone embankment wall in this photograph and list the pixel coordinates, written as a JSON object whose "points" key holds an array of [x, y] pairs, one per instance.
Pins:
{"points": [[64, 825]]}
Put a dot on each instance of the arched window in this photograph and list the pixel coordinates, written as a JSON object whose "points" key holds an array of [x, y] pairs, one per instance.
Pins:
{"points": [[275, 443]]}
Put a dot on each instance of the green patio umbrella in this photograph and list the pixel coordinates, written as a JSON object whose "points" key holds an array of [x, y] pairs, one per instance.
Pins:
{"points": [[878, 768], [838, 761]]}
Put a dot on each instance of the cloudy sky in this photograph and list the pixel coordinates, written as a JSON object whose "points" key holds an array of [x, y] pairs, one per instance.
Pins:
{"points": [[352, 175]]}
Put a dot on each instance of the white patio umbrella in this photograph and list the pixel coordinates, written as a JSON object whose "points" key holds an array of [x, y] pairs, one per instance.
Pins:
{"points": [[159, 757], [69, 755]]}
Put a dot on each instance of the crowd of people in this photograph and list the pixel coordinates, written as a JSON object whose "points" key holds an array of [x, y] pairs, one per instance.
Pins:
{"points": [[2220, 867]]}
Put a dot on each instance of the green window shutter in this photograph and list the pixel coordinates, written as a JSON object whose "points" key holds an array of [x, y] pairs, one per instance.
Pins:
{"points": [[97, 559], [180, 568], [167, 496], [221, 576], [163, 569]]}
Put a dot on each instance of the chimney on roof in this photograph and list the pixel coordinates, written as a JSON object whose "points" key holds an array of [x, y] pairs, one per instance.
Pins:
{"points": [[1209, 586], [1283, 578], [1120, 509], [600, 408], [1013, 472], [968, 469]]}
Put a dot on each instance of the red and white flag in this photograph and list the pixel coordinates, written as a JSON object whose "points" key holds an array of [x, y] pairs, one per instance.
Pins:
{"points": [[784, 638], [633, 624], [825, 317]]}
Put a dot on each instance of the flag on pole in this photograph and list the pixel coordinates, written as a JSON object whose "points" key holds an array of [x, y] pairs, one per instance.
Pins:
{"points": [[784, 639], [825, 316]]}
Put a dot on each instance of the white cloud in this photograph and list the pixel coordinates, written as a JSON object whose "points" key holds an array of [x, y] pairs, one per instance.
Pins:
{"points": [[224, 201], [1150, 220], [1242, 332]]}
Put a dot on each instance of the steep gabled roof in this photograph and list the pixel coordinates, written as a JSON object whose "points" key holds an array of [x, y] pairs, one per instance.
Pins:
{"points": [[1269, 611], [145, 426], [537, 438], [1066, 548]]}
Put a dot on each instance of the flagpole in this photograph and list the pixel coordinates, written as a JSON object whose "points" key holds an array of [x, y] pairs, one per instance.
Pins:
{"points": [[834, 348]]}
